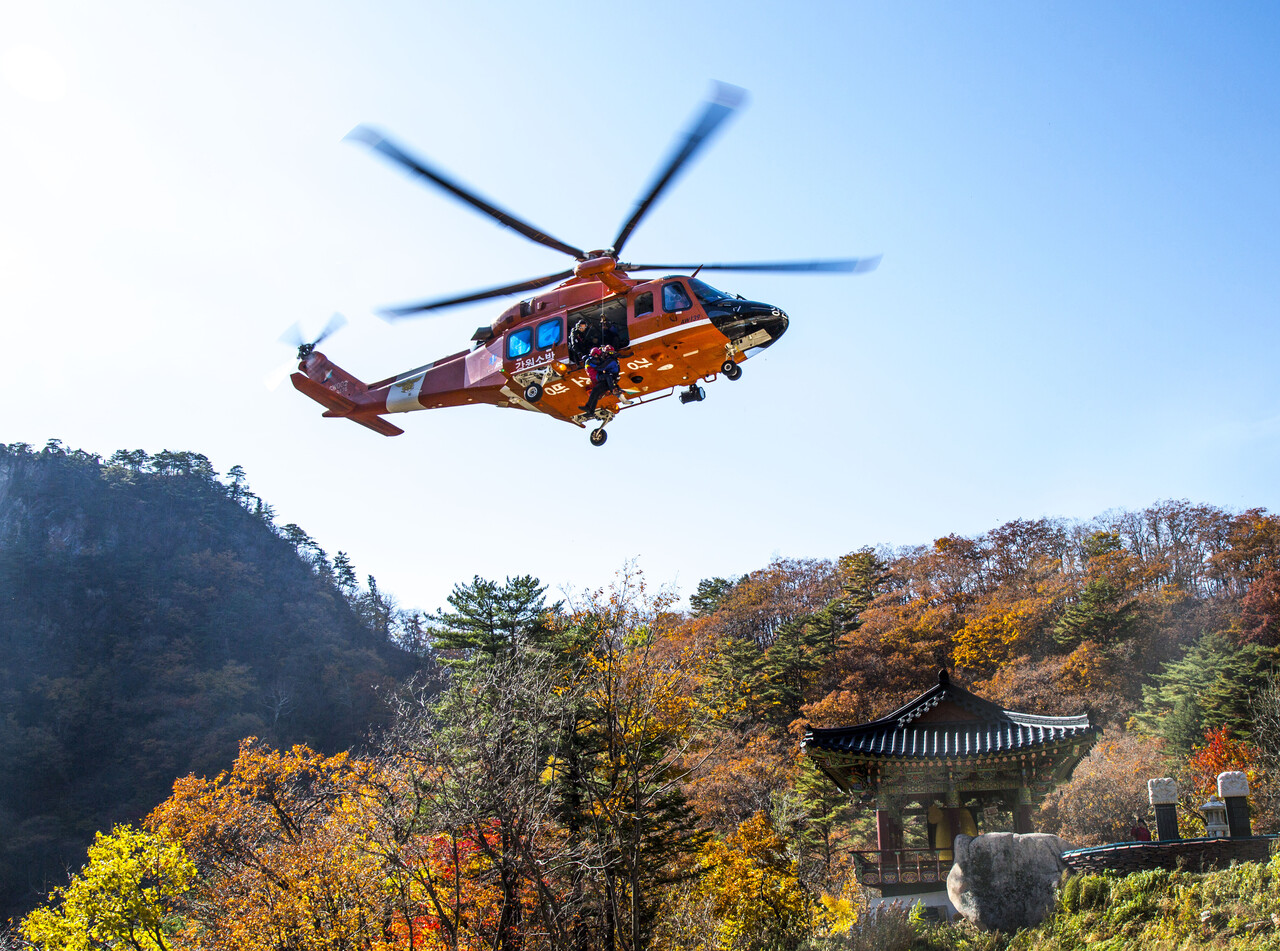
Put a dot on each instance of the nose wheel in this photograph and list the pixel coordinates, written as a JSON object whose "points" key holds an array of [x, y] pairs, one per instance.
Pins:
{"points": [[731, 369], [598, 436]]}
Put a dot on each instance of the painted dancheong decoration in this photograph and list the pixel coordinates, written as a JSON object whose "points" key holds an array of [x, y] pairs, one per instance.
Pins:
{"points": [[670, 334]]}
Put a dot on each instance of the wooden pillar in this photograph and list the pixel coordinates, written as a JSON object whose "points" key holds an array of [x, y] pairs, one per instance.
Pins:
{"points": [[888, 831]]}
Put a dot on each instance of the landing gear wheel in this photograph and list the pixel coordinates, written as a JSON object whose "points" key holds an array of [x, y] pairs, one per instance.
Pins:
{"points": [[731, 369], [533, 392], [598, 436]]}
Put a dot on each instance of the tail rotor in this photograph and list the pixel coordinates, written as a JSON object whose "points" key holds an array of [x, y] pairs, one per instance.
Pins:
{"points": [[294, 337]]}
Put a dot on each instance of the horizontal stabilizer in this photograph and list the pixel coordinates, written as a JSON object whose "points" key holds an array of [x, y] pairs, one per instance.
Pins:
{"points": [[339, 405], [377, 424]]}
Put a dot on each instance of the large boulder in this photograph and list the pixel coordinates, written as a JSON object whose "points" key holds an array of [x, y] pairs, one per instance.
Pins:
{"points": [[1004, 881]]}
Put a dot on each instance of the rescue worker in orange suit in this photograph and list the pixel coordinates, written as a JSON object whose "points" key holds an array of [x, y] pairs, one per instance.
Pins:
{"points": [[602, 367]]}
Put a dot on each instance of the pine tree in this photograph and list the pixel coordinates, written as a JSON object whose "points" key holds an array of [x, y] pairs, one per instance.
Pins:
{"points": [[1171, 704], [488, 619], [1103, 612], [1228, 700], [711, 592]]}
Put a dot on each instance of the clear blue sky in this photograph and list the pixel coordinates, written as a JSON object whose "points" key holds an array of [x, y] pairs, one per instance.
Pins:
{"points": [[1077, 308]]}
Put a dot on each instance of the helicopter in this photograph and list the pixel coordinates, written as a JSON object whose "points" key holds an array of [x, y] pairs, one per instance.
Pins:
{"points": [[669, 334]]}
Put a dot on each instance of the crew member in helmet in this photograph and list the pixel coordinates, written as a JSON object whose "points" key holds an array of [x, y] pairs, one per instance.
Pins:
{"points": [[602, 367], [584, 335]]}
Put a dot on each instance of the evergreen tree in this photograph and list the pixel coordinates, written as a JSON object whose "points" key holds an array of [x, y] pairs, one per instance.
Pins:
{"points": [[1228, 699], [711, 592], [488, 619], [344, 575], [1103, 612], [1171, 704]]}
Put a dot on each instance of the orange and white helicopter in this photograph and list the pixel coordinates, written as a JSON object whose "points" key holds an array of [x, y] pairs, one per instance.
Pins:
{"points": [[669, 334]]}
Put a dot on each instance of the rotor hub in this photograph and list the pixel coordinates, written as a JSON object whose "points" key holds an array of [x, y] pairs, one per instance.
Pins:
{"points": [[599, 263]]}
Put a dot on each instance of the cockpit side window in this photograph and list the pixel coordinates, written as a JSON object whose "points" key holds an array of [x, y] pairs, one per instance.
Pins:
{"points": [[675, 298], [519, 342], [708, 294], [644, 303]]}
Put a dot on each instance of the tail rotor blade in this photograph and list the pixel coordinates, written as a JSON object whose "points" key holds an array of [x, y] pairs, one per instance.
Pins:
{"points": [[281, 373], [292, 337], [336, 323], [297, 341]]}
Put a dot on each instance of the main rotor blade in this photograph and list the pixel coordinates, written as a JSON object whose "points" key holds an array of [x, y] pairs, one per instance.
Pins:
{"points": [[377, 141], [841, 265], [718, 108], [409, 310]]}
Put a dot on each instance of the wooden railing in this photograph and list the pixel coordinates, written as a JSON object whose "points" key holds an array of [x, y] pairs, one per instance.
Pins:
{"points": [[902, 866]]}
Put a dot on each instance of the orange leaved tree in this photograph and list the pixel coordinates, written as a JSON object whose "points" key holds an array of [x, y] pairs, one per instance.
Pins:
{"points": [[279, 840]]}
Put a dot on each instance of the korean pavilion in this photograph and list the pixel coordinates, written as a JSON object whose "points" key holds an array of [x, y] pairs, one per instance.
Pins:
{"points": [[946, 763]]}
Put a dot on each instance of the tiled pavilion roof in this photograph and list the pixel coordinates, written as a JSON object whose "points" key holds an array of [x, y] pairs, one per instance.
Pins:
{"points": [[948, 722]]}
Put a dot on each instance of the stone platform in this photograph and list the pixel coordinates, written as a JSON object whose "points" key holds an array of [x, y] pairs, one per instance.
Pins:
{"points": [[1195, 855]]}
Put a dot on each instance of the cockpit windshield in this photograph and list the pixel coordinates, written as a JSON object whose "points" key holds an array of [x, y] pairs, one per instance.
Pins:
{"points": [[706, 293]]}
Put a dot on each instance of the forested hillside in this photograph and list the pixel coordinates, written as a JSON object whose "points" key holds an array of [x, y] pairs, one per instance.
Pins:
{"points": [[151, 617], [611, 772]]}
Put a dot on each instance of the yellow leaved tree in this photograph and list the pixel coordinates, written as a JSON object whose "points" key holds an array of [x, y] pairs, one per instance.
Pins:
{"points": [[125, 896], [747, 897]]}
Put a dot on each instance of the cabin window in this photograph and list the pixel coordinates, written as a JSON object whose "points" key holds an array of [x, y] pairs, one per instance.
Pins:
{"points": [[675, 298], [548, 333], [644, 303], [519, 343]]}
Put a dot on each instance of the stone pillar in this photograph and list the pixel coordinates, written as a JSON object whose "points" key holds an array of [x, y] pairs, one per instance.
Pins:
{"points": [[1022, 813], [1163, 795], [1233, 789]]}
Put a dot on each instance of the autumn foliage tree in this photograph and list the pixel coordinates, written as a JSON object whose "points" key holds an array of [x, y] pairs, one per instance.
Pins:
{"points": [[1109, 787], [746, 897], [279, 840], [610, 773], [127, 896]]}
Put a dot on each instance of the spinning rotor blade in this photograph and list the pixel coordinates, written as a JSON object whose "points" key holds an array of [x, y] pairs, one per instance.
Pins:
{"points": [[281, 373], [336, 323], [294, 339], [380, 143], [410, 310], [718, 108], [841, 265], [293, 336]]}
